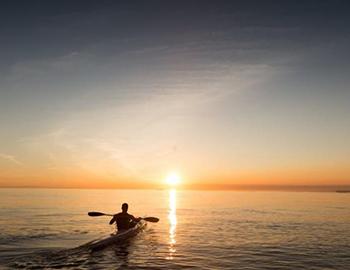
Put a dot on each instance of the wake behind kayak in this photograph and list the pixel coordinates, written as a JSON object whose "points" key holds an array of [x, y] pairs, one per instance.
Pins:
{"points": [[115, 238]]}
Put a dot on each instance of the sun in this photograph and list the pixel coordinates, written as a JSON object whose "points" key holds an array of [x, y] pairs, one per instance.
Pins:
{"points": [[173, 179]]}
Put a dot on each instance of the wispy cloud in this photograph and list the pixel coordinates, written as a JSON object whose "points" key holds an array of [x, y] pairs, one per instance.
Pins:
{"points": [[11, 159]]}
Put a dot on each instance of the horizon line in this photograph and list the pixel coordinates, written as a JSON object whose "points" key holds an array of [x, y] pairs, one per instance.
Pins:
{"points": [[316, 188]]}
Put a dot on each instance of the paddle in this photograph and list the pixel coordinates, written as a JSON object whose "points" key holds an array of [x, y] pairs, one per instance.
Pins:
{"points": [[98, 214]]}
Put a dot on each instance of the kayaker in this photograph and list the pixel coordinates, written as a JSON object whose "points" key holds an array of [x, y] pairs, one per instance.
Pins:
{"points": [[123, 219]]}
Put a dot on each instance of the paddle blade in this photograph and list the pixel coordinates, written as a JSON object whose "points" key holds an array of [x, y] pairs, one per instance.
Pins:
{"points": [[151, 219], [96, 214]]}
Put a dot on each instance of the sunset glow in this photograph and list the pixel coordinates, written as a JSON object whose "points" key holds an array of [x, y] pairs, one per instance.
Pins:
{"points": [[173, 179]]}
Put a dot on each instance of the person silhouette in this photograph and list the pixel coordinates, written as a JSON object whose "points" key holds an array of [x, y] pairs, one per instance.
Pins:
{"points": [[123, 219]]}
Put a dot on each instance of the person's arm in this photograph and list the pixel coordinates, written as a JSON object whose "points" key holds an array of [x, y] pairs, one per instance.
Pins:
{"points": [[135, 219], [114, 219]]}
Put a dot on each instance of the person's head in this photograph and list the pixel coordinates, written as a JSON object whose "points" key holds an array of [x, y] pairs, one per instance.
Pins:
{"points": [[125, 207]]}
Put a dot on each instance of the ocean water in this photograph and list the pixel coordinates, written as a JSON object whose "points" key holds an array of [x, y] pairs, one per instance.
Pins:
{"points": [[43, 229]]}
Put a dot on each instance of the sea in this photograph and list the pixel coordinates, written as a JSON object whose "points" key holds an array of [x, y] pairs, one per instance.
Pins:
{"points": [[47, 229]]}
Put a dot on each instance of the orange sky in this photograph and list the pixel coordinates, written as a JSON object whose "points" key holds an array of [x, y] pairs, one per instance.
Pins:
{"points": [[213, 180]]}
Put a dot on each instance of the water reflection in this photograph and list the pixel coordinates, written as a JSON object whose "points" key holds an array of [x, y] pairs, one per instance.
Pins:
{"points": [[122, 253], [172, 223]]}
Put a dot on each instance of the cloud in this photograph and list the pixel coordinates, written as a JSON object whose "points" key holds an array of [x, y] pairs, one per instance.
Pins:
{"points": [[11, 159]]}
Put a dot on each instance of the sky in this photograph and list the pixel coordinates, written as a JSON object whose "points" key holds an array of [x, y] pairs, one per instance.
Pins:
{"points": [[118, 94]]}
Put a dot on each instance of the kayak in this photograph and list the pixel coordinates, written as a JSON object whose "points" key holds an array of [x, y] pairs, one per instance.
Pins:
{"points": [[115, 238]]}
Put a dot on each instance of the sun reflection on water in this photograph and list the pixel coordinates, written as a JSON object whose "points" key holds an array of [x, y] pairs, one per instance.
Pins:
{"points": [[172, 223]]}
